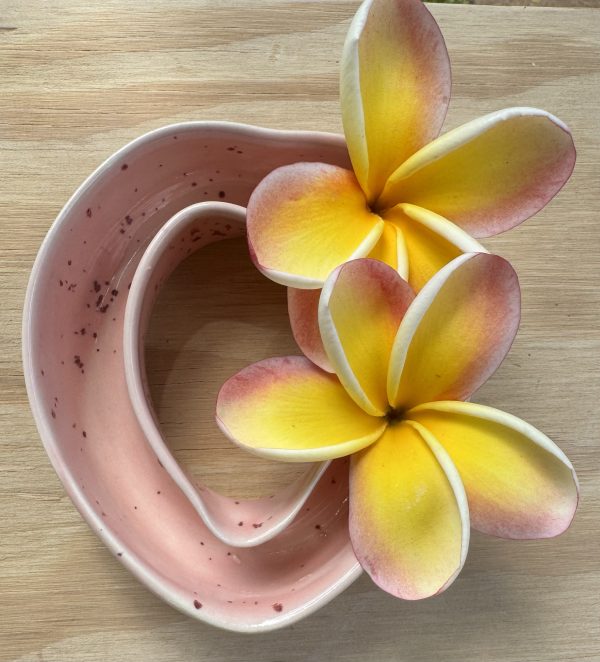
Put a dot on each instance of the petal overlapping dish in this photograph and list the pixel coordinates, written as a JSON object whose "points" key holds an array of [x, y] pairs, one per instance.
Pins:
{"points": [[142, 505]]}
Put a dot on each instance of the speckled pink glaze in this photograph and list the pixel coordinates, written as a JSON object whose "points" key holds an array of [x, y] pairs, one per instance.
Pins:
{"points": [[238, 522], [74, 367]]}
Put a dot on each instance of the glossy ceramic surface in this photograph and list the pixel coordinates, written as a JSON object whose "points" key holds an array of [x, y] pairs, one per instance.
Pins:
{"points": [[105, 446], [238, 522]]}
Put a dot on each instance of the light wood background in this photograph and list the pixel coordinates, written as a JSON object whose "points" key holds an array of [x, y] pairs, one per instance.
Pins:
{"points": [[573, 4], [78, 80]]}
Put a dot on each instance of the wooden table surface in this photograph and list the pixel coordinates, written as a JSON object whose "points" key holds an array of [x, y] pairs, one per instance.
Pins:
{"points": [[78, 80]]}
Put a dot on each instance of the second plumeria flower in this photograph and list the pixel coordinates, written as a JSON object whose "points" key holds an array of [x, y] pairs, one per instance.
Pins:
{"points": [[426, 465]]}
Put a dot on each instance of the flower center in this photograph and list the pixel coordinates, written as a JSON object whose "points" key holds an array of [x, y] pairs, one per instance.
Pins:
{"points": [[393, 416], [377, 205], [376, 208]]}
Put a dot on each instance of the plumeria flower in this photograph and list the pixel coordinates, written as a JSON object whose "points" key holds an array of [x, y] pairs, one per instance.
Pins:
{"points": [[426, 464], [413, 200]]}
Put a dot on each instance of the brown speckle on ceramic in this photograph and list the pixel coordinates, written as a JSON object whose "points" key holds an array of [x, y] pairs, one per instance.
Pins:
{"points": [[97, 440]]}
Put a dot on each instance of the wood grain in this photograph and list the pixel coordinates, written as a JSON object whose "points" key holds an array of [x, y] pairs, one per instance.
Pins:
{"points": [[78, 80], [571, 4]]}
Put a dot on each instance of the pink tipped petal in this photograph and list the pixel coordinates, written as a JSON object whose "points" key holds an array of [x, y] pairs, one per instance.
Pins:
{"points": [[288, 409], [431, 241], [519, 483], [305, 219], [303, 309], [395, 87], [456, 332], [409, 518], [490, 174], [361, 306]]}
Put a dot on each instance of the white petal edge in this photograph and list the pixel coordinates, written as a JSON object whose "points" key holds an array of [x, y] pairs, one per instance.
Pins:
{"points": [[350, 81], [401, 254], [335, 351], [458, 488], [321, 454], [306, 283], [443, 227], [412, 318], [463, 134], [502, 418]]}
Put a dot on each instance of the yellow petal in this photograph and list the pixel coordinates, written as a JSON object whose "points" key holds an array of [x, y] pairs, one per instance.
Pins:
{"points": [[394, 87], [518, 482], [456, 332], [391, 249], [409, 519], [431, 241], [303, 310], [361, 306], [288, 409], [490, 174], [305, 219]]}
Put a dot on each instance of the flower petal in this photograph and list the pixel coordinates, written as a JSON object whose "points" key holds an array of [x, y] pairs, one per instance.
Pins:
{"points": [[361, 307], [490, 174], [519, 483], [303, 305], [431, 241], [306, 219], [409, 519], [303, 310], [394, 87], [391, 249], [456, 332], [287, 409]]}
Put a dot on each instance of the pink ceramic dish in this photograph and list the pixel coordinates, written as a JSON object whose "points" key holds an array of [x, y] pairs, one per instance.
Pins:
{"points": [[73, 327], [238, 522]]}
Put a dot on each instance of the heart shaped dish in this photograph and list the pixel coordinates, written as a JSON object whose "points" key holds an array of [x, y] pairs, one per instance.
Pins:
{"points": [[90, 295]]}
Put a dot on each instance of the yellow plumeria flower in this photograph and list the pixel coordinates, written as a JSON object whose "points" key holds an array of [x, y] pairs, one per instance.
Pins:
{"points": [[413, 200], [426, 465]]}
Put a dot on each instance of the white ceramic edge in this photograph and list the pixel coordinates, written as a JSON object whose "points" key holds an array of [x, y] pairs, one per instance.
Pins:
{"points": [[133, 343], [135, 565]]}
